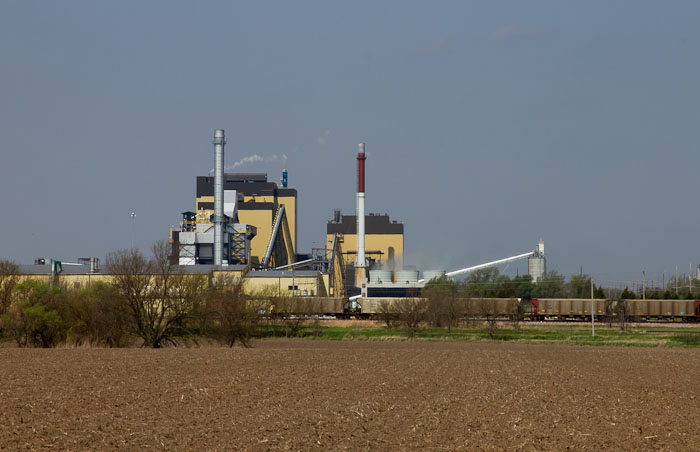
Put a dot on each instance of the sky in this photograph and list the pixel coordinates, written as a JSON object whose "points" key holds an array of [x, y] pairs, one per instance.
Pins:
{"points": [[489, 125]]}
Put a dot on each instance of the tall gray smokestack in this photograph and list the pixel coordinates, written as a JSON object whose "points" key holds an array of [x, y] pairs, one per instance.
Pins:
{"points": [[219, 143]]}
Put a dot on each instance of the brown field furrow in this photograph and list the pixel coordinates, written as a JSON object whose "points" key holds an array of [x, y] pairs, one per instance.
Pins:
{"points": [[317, 395]]}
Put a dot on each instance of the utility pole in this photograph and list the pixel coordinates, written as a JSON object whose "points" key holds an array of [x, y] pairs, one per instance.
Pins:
{"points": [[592, 311], [644, 285], [664, 288], [690, 278], [676, 280], [133, 234]]}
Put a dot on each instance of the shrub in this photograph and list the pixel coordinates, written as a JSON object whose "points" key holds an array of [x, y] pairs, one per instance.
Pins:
{"points": [[97, 316], [233, 315], [32, 319]]}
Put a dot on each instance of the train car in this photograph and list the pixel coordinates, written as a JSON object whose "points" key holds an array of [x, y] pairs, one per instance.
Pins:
{"points": [[635, 310], [307, 306], [568, 308], [369, 306], [500, 307], [663, 310]]}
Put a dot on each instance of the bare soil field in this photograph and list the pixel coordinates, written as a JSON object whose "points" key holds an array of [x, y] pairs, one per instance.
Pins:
{"points": [[317, 395]]}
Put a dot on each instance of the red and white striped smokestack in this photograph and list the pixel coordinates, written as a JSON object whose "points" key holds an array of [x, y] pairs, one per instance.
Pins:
{"points": [[360, 263]]}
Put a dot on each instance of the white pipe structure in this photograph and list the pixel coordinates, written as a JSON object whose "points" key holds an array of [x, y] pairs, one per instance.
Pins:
{"points": [[295, 264], [219, 142], [488, 264], [360, 261]]}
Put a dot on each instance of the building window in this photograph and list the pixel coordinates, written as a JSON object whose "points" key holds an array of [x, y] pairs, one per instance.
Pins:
{"points": [[293, 287]]}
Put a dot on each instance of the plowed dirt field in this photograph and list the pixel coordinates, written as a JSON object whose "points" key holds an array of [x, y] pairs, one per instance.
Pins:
{"points": [[315, 395]]}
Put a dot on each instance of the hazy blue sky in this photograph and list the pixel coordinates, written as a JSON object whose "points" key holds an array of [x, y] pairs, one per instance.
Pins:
{"points": [[488, 124]]}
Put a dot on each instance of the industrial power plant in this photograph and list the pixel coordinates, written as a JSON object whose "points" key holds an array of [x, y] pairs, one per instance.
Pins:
{"points": [[246, 227], [243, 222]]}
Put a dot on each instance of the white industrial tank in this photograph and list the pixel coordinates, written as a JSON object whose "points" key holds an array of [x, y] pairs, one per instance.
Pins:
{"points": [[406, 276], [380, 276]]}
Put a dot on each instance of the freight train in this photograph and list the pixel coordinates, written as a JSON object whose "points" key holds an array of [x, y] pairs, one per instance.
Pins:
{"points": [[539, 309], [634, 310]]}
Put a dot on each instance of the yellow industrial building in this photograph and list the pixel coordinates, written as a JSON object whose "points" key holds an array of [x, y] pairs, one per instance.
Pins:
{"points": [[264, 214], [258, 203], [384, 240], [274, 283]]}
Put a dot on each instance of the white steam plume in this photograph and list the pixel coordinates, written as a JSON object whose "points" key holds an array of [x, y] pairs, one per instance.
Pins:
{"points": [[253, 159]]}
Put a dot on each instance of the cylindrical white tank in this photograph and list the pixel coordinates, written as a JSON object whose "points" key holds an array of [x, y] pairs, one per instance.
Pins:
{"points": [[536, 267], [380, 276], [433, 274], [406, 276]]}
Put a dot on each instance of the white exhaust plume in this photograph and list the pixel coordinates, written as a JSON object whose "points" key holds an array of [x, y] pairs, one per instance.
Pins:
{"points": [[255, 158]]}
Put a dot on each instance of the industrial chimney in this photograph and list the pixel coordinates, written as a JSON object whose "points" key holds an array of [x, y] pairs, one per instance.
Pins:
{"points": [[218, 196], [360, 263]]}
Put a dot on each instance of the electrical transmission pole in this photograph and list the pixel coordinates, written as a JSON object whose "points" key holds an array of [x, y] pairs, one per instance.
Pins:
{"points": [[676, 280], [592, 311]]}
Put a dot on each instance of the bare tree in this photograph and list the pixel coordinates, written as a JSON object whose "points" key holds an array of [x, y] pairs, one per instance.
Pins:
{"points": [[487, 309], [516, 311], [292, 312], [386, 313], [9, 278], [471, 312], [161, 299], [446, 311], [444, 308], [609, 312], [410, 312], [234, 315], [622, 313]]}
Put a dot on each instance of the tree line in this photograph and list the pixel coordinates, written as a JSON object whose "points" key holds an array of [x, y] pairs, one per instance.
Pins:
{"points": [[489, 283], [153, 303], [486, 298], [150, 302], [482, 300]]}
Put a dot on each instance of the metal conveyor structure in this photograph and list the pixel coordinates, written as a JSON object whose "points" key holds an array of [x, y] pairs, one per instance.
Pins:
{"points": [[487, 264]]}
